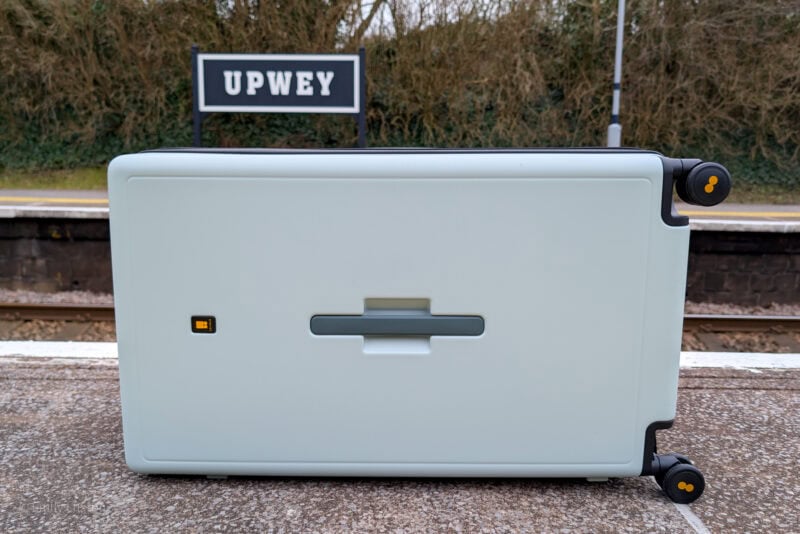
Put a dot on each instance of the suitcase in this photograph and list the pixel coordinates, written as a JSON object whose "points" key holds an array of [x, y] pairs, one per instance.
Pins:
{"points": [[446, 313]]}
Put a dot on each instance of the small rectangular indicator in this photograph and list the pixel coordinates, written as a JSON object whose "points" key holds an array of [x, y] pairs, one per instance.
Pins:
{"points": [[204, 324]]}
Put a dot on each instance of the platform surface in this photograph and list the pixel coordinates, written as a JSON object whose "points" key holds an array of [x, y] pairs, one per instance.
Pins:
{"points": [[62, 469], [66, 204], [743, 217], [94, 205]]}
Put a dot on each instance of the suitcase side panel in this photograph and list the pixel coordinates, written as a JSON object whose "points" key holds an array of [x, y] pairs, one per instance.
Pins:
{"points": [[151, 387]]}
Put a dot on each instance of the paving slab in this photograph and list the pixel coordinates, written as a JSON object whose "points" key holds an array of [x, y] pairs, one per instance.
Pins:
{"points": [[62, 470]]}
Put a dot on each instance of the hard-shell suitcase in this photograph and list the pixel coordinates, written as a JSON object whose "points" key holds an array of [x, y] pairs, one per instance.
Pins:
{"points": [[511, 313]]}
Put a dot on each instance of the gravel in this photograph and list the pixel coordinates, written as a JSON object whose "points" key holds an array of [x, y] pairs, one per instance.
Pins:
{"points": [[691, 343], [35, 330], [87, 297], [104, 331], [753, 342], [99, 331], [735, 309], [63, 297], [57, 331]]}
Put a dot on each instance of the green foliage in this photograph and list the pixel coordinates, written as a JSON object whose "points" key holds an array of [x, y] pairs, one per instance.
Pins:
{"points": [[79, 178], [84, 80]]}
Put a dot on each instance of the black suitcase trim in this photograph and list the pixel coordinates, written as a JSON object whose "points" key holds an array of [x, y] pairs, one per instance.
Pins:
{"points": [[650, 447]]}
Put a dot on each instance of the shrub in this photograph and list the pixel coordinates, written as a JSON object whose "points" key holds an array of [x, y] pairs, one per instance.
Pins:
{"points": [[84, 80]]}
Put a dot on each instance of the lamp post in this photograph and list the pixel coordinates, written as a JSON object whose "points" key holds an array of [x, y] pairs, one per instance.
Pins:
{"points": [[615, 128]]}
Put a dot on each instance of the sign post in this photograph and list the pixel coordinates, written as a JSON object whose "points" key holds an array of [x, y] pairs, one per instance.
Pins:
{"points": [[197, 116], [362, 112], [615, 128], [279, 83]]}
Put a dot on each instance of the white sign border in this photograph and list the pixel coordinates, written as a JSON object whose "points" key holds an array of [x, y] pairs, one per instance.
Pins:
{"points": [[354, 58]]}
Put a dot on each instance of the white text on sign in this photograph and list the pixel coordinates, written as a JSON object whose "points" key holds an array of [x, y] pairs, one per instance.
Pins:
{"points": [[278, 82]]}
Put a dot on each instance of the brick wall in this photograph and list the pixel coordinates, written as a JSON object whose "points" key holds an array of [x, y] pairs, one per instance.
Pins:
{"points": [[55, 255], [744, 268], [739, 268]]}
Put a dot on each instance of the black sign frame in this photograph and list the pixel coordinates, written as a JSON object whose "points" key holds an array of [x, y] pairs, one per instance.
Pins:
{"points": [[200, 108]]}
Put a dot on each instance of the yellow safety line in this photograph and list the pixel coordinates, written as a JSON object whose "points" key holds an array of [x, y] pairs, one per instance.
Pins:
{"points": [[754, 214], [689, 213], [55, 200]]}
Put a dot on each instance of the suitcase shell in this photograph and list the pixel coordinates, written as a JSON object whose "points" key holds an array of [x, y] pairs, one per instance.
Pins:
{"points": [[570, 265]]}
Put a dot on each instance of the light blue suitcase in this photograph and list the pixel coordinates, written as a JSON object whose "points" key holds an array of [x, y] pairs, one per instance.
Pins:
{"points": [[493, 313]]}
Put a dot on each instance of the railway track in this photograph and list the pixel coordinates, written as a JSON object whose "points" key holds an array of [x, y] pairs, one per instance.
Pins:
{"points": [[56, 322], [710, 330], [741, 323], [55, 312], [747, 333]]}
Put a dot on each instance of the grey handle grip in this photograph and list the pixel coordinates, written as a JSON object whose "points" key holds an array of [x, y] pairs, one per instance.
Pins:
{"points": [[397, 325]]}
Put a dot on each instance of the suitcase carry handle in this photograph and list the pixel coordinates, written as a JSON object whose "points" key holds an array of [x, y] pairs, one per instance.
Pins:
{"points": [[397, 325]]}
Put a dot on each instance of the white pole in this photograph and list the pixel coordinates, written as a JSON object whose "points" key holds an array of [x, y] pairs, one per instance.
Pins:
{"points": [[615, 128]]}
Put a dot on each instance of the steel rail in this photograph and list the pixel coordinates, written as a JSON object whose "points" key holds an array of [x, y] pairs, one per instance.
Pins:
{"points": [[691, 322], [14, 311], [741, 323]]}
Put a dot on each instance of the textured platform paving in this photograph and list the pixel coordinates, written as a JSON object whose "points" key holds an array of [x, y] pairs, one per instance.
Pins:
{"points": [[62, 470]]}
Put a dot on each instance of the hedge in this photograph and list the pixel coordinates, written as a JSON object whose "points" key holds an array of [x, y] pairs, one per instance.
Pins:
{"points": [[84, 80]]}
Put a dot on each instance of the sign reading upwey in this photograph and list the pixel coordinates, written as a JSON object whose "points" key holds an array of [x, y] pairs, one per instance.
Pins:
{"points": [[297, 83]]}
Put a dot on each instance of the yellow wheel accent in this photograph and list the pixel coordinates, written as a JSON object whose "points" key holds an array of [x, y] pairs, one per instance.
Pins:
{"points": [[712, 181], [683, 483]]}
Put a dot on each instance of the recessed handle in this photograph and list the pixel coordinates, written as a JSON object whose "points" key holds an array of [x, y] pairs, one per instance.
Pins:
{"points": [[397, 325]]}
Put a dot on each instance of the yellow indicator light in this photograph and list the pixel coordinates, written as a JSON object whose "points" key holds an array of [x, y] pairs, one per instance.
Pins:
{"points": [[712, 181], [688, 488], [204, 324]]}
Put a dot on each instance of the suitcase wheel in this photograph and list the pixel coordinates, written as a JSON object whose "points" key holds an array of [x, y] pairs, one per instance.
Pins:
{"points": [[673, 458], [683, 483], [706, 184]]}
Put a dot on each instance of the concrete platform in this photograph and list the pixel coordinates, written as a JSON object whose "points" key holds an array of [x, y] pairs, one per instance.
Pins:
{"points": [[58, 204], [742, 217], [63, 470], [772, 212], [94, 205]]}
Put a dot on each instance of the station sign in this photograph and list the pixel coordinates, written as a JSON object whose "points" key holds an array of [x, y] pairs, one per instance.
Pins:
{"points": [[278, 83], [273, 83]]}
